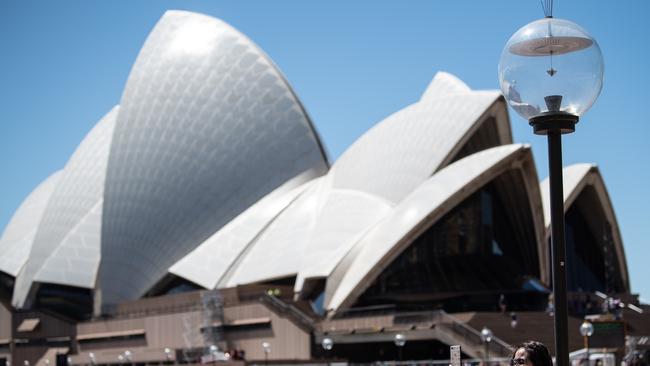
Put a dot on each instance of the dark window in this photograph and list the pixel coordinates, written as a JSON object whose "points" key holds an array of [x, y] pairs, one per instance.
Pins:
{"points": [[72, 302], [471, 250], [171, 285], [592, 263], [484, 138]]}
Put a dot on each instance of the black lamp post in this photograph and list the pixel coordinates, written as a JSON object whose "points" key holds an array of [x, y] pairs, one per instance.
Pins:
{"points": [[400, 341], [266, 347], [587, 330], [327, 345], [486, 337], [551, 72]]}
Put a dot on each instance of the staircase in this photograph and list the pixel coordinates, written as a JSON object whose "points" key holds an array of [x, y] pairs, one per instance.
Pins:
{"points": [[451, 330], [537, 326]]}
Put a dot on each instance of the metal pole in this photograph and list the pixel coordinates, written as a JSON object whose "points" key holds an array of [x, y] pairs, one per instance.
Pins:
{"points": [[588, 362], [558, 247], [400, 354], [487, 353]]}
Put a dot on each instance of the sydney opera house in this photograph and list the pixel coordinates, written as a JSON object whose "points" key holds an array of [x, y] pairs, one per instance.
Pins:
{"points": [[201, 220]]}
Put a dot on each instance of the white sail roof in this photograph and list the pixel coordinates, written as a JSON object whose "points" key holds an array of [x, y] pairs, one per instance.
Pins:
{"points": [[371, 177], [209, 262], [74, 262], [80, 188], [18, 237], [576, 178], [208, 126], [423, 206]]}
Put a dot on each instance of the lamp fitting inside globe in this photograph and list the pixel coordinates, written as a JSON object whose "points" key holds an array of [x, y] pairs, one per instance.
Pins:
{"points": [[554, 120]]}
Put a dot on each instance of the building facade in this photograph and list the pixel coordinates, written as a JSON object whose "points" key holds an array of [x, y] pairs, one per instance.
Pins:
{"points": [[201, 219]]}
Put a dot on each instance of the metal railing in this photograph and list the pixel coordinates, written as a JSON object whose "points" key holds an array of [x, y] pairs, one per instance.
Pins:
{"points": [[285, 308], [497, 345]]}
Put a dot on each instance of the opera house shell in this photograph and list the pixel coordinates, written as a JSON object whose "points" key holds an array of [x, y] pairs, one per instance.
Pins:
{"points": [[211, 175]]}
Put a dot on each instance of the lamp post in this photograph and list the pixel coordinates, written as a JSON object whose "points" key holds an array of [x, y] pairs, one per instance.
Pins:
{"points": [[168, 354], [214, 352], [587, 330], [486, 337], [327, 344], [551, 73], [266, 347], [128, 356], [400, 341]]}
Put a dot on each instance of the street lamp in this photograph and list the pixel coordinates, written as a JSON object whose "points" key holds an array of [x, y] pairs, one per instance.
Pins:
{"points": [[587, 330], [327, 344], [551, 73], [213, 349], [400, 341], [486, 337], [168, 354], [266, 346]]}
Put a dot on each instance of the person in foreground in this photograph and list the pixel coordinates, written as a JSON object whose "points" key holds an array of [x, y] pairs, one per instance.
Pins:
{"points": [[531, 353]]}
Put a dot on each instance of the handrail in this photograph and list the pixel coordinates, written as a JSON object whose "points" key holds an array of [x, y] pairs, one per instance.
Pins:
{"points": [[440, 317], [506, 346], [287, 308]]}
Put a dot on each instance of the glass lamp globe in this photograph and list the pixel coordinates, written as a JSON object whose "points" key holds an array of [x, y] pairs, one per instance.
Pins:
{"points": [[327, 344], [486, 335], [399, 340], [586, 329], [551, 65], [266, 346]]}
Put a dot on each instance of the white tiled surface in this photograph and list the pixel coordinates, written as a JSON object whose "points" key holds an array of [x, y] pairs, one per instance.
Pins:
{"points": [[209, 262], [208, 127], [80, 188], [18, 236], [381, 244]]}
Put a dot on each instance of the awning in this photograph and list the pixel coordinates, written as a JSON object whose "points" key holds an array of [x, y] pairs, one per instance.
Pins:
{"points": [[28, 325], [250, 321], [114, 334], [5, 341], [239, 323]]}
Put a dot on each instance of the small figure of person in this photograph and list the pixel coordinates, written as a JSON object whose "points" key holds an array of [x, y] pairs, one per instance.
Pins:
{"points": [[513, 319], [618, 308], [550, 305], [503, 304], [531, 353]]}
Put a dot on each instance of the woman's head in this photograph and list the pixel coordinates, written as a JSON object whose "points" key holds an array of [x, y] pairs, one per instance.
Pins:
{"points": [[531, 353]]}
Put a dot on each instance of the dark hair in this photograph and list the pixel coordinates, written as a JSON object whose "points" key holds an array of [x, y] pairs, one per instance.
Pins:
{"points": [[536, 352]]}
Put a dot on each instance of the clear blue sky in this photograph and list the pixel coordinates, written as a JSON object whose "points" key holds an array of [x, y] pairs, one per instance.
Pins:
{"points": [[63, 65]]}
